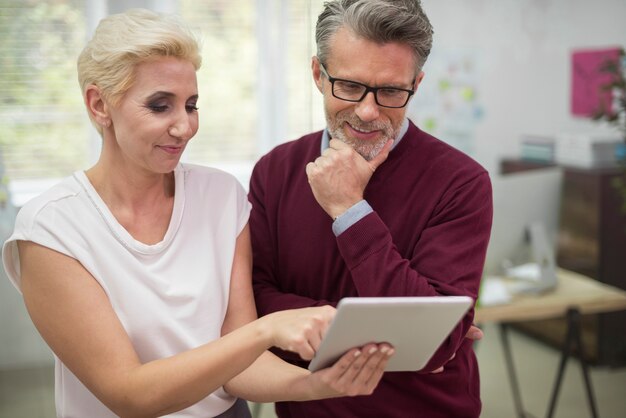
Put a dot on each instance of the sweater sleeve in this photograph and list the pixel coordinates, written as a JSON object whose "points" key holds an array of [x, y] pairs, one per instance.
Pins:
{"points": [[268, 291], [447, 260]]}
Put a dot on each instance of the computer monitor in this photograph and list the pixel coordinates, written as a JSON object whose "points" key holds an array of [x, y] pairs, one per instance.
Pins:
{"points": [[526, 208]]}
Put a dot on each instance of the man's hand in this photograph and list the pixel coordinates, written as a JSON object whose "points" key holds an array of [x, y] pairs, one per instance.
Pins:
{"points": [[473, 333], [339, 176]]}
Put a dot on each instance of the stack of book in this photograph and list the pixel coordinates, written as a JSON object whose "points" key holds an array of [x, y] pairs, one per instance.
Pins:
{"points": [[584, 150], [540, 149]]}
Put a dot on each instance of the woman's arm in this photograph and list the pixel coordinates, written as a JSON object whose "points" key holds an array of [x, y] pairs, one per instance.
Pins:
{"points": [[270, 378], [75, 317]]}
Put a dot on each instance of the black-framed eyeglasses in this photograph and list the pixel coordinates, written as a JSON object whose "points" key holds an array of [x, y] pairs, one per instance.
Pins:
{"points": [[352, 91]]}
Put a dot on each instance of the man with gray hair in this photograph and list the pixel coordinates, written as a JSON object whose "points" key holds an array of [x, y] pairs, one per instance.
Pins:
{"points": [[374, 206]]}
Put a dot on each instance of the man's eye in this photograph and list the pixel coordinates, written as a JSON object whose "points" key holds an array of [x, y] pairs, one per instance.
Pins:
{"points": [[390, 92], [350, 87]]}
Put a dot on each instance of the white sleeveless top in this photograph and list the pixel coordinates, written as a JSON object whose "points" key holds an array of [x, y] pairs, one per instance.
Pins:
{"points": [[171, 296]]}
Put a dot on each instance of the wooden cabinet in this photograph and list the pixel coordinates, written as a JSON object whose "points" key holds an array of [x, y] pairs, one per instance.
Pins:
{"points": [[591, 241]]}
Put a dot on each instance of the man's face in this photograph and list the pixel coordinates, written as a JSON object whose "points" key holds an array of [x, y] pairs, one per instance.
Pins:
{"points": [[365, 125]]}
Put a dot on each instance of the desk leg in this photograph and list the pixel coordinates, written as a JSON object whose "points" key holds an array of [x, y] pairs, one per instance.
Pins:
{"points": [[517, 397], [572, 343]]}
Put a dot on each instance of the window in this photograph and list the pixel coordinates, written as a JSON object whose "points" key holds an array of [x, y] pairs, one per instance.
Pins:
{"points": [[227, 80], [41, 114], [256, 88], [304, 101]]}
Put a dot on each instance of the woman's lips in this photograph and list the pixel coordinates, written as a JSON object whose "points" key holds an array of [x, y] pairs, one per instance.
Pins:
{"points": [[171, 149]]}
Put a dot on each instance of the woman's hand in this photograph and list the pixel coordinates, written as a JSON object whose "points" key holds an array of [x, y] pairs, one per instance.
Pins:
{"points": [[298, 330], [356, 373]]}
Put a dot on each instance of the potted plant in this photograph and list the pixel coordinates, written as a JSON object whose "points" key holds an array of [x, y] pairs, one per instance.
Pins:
{"points": [[614, 113]]}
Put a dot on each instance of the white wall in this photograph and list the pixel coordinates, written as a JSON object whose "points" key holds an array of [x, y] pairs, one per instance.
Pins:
{"points": [[524, 50]]}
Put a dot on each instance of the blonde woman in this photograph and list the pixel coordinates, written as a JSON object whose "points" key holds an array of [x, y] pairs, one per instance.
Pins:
{"points": [[137, 271]]}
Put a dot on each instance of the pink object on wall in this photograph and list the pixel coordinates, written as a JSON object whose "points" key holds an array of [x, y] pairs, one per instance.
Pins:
{"points": [[587, 80]]}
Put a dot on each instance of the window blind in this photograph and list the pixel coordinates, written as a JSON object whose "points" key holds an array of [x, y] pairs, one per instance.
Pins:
{"points": [[304, 102], [228, 109], [46, 133], [44, 125], [232, 109]]}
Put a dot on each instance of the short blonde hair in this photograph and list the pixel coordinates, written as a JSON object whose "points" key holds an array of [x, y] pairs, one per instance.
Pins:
{"points": [[122, 41]]}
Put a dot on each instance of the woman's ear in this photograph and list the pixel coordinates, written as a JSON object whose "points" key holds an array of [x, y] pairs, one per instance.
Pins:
{"points": [[96, 106]]}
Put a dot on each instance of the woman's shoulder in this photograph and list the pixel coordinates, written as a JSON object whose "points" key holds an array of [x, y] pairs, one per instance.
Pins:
{"points": [[209, 189], [204, 176], [61, 194], [203, 172], [209, 183]]}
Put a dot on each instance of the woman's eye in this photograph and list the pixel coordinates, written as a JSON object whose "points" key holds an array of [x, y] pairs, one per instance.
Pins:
{"points": [[192, 108], [157, 108]]}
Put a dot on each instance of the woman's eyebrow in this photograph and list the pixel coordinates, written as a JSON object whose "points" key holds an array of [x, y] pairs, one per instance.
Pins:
{"points": [[160, 94]]}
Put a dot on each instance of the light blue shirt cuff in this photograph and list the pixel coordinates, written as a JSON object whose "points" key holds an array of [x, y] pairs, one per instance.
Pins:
{"points": [[354, 214]]}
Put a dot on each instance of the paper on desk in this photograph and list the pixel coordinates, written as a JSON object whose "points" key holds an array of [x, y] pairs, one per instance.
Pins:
{"points": [[493, 291], [529, 272]]}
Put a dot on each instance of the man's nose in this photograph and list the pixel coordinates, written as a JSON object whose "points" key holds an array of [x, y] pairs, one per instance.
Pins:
{"points": [[367, 109]]}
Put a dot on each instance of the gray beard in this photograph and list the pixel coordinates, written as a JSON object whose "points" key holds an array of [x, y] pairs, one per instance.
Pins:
{"points": [[367, 149]]}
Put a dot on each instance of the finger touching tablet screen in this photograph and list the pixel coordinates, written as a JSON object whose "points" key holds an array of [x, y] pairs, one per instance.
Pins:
{"points": [[415, 326]]}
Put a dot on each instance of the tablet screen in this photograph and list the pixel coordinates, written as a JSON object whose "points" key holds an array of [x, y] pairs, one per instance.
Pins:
{"points": [[415, 326]]}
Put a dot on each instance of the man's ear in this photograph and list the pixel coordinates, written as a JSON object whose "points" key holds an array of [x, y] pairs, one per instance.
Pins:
{"points": [[317, 73], [96, 106], [416, 83], [418, 80]]}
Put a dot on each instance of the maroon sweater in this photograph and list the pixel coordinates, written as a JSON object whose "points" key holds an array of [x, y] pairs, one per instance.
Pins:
{"points": [[427, 236]]}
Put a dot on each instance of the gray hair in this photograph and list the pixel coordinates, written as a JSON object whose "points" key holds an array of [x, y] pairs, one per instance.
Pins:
{"points": [[381, 21]]}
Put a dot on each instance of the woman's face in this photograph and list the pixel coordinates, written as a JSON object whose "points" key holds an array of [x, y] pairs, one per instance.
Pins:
{"points": [[157, 116]]}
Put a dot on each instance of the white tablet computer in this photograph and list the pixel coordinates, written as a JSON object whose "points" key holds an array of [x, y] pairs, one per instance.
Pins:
{"points": [[415, 326]]}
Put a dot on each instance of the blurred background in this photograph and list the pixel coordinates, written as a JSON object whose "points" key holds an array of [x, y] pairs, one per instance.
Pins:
{"points": [[513, 83]]}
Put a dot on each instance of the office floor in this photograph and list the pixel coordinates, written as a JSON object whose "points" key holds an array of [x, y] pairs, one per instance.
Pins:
{"points": [[29, 393]]}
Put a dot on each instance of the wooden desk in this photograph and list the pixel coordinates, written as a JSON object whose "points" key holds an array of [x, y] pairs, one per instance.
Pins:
{"points": [[574, 291], [591, 241], [575, 295]]}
